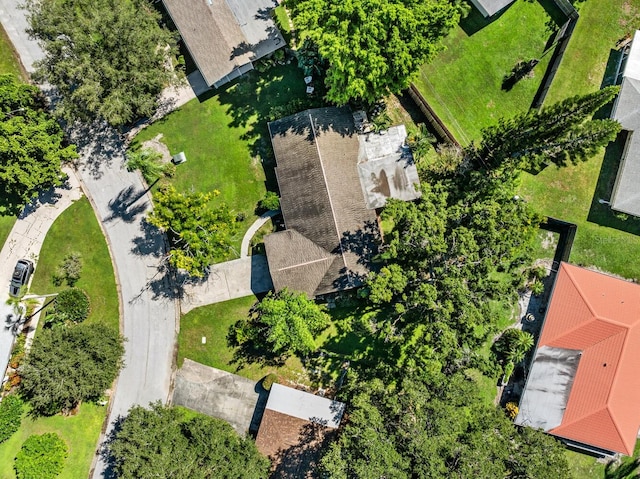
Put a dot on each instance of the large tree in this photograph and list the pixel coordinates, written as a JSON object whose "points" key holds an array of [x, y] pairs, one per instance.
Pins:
{"points": [[432, 426], [108, 58], [373, 46], [67, 365], [561, 133], [160, 443], [284, 323], [32, 147], [199, 233]]}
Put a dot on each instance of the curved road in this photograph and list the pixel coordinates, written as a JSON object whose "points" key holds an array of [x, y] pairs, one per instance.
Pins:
{"points": [[148, 311]]}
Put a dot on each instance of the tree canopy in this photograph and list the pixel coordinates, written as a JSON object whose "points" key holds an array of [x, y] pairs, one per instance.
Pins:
{"points": [[199, 233], [284, 323], [108, 58], [32, 147], [161, 443], [373, 46], [67, 365]]}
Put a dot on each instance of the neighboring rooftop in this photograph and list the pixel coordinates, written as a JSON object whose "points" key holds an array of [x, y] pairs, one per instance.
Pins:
{"points": [[295, 427], [489, 8], [626, 192], [331, 235], [225, 36], [583, 386], [386, 167]]}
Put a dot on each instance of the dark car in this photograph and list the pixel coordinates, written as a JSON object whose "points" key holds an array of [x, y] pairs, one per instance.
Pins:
{"points": [[21, 275]]}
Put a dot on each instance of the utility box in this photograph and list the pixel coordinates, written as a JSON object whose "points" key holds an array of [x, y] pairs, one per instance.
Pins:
{"points": [[179, 158]]}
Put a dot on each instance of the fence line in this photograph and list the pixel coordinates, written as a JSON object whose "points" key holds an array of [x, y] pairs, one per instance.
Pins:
{"points": [[433, 119]]}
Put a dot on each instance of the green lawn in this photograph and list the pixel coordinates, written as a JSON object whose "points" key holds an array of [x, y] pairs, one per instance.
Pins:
{"points": [[463, 84], [77, 229], [572, 193], [226, 141], [345, 339], [80, 432]]}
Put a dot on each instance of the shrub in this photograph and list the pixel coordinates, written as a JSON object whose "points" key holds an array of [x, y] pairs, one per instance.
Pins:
{"points": [[512, 410], [69, 270], [268, 381], [270, 202], [41, 457], [71, 305], [10, 416]]}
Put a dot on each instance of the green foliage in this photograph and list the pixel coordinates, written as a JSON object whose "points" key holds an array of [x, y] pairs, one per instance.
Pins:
{"points": [[198, 232], [11, 409], [31, 145], [71, 306], [270, 202], [372, 47], [433, 426], [148, 161], [268, 381], [108, 59], [41, 457], [159, 442], [421, 141], [284, 323], [387, 284], [560, 134], [69, 270], [69, 365]]}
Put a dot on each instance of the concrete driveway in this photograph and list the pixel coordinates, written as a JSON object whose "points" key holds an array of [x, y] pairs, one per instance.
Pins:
{"points": [[216, 393], [25, 241]]}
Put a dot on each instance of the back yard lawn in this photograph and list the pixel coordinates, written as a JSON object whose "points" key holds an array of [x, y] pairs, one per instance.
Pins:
{"points": [[573, 193], [346, 339], [225, 138], [464, 83]]}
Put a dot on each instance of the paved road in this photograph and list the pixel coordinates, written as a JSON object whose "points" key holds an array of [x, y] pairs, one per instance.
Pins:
{"points": [[148, 318], [149, 310], [25, 241]]}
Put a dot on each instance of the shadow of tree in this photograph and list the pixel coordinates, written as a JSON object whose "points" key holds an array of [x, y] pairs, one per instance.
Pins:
{"points": [[122, 206]]}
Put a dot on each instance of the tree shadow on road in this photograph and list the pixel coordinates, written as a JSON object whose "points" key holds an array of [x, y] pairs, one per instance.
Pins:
{"points": [[123, 206]]}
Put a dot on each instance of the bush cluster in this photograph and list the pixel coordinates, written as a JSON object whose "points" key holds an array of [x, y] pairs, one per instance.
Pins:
{"points": [[10, 416], [41, 457], [69, 270], [71, 306]]}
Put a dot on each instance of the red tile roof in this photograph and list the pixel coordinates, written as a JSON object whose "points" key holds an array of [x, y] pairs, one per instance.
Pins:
{"points": [[598, 315]]}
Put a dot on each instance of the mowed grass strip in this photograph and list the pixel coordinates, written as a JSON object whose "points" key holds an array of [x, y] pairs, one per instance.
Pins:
{"points": [[572, 193], [80, 432], [77, 230], [463, 84]]}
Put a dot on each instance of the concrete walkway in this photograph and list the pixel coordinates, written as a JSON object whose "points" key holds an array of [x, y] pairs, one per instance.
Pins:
{"points": [[253, 229], [25, 241]]}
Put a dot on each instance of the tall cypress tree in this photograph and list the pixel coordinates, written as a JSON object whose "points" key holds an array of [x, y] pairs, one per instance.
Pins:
{"points": [[560, 133]]}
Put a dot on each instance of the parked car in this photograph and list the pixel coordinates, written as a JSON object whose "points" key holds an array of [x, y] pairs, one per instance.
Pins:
{"points": [[21, 275]]}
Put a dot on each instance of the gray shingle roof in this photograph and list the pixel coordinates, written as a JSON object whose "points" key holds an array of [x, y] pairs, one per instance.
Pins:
{"points": [[626, 192], [330, 235], [225, 36]]}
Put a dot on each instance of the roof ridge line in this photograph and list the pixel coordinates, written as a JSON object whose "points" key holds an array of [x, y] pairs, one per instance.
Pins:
{"points": [[615, 423], [585, 416], [576, 285], [326, 186]]}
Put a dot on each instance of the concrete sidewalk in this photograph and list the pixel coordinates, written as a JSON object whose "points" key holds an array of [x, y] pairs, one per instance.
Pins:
{"points": [[25, 241]]}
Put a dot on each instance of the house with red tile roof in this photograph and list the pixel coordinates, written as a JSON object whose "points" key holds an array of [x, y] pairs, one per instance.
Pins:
{"points": [[583, 385]]}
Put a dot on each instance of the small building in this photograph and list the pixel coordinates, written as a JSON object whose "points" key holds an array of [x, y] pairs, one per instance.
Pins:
{"points": [[295, 427], [489, 8], [626, 110], [329, 189], [583, 385], [224, 37]]}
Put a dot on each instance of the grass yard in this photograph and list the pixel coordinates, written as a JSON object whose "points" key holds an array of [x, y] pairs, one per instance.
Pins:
{"points": [[226, 141], [463, 84], [346, 338], [572, 193], [80, 432], [77, 229]]}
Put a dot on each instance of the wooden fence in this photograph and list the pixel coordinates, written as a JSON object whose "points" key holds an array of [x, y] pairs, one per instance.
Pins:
{"points": [[436, 123]]}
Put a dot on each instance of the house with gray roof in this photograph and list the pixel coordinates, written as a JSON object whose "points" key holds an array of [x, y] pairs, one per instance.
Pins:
{"points": [[488, 8], [224, 37], [331, 181], [626, 110]]}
